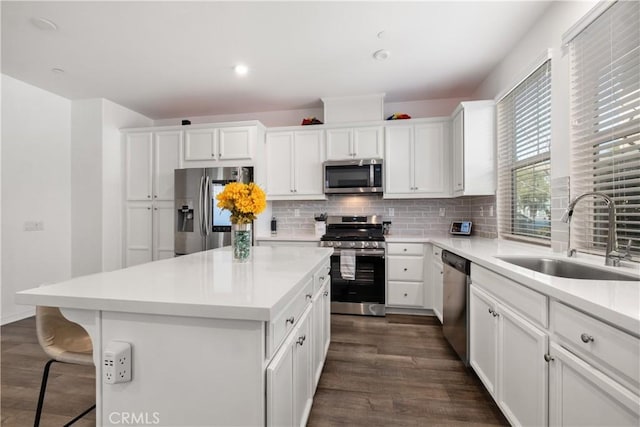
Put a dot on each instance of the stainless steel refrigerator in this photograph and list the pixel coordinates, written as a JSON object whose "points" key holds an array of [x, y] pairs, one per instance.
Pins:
{"points": [[200, 224]]}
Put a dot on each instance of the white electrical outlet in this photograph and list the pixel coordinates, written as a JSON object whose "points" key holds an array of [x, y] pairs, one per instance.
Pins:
{"points": [[116, 365], [392, 212], [296, 212], [481, 211], [442, 211], [491, 210]]}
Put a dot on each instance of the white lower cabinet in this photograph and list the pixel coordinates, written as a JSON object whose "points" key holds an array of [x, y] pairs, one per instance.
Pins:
{"points": [[294, 370], [581, 395], [289, 378], [149, 232], [405, 276], [437, 274], [321, 321], [507, 353]]}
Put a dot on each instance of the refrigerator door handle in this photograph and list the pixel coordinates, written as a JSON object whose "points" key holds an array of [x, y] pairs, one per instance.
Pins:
{"points": [[207, 204], [201, 209]]}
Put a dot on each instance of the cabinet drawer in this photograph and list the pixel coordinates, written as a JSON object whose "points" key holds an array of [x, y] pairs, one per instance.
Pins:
{"points": [[404, 249], [406, 268], [405, 293], [285, 321], [607, 347], [527, 302]]}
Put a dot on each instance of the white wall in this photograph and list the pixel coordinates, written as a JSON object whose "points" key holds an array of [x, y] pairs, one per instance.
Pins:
{"points": [[86, 185], [36, 143], [96, 178], [546, 34], [416, 109], [114, 118]]}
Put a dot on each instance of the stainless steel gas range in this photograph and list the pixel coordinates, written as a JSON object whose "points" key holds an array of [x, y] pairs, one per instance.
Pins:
{"points": [[357, 264]]}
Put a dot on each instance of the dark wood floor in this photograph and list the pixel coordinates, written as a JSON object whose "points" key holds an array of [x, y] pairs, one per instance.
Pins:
{"points": [[393, 371], [397, 371]]}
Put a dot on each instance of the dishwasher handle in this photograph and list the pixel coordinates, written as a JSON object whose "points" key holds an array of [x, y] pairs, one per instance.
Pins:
{"points": [[456, 261]]}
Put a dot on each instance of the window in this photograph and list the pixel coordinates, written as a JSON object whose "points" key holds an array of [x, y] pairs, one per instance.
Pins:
{"points": [[605, 131], [524, 159]]}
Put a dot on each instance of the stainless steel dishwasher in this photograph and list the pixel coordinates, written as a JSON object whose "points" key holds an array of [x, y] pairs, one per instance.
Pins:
{"points": [[455, 313]]}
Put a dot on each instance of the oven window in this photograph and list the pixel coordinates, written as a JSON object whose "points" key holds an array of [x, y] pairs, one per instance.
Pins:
{"points": [[347, 176], [368, 285]]}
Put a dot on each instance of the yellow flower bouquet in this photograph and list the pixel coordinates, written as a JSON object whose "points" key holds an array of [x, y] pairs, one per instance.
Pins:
{"points": [[244, 201]]}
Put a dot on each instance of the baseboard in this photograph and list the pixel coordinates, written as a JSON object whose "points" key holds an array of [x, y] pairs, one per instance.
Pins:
{"points": [[413, 311], [31, 311]]}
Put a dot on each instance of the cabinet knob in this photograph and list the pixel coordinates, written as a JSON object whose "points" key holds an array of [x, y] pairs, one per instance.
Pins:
{"points": [[405, 249], [155, 209], [290, 320], [148, 196], [548, 358], [149, 208], [326, 293], [405, 294], [441, 272], [490, 311], [155, 196], [586, 338], [300, 341], [405, 269], [308, 296], [213, 154]]}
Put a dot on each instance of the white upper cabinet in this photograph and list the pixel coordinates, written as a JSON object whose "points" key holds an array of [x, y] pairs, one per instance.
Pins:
{"points": [[415, 159], [167, 146], [294, 165], [473, 145], [200, 144], [355, 143], [138, 147], [220, 143], [151, 158]]}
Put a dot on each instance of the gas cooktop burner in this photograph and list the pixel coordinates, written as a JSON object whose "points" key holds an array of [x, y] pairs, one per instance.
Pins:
{"points": [[344, 237]]}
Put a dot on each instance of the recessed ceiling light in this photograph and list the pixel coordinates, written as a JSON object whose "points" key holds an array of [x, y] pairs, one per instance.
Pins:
{"points": [[44, 24], [241, 69], [381, 54], [57, 70]]}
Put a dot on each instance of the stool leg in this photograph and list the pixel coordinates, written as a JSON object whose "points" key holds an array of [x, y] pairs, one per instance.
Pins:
{"points": [[43, 387], [80, 416]]}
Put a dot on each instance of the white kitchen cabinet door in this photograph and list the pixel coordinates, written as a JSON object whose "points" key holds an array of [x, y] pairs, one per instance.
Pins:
{"points": [[368, 142], [280, 164], [138, 147], [326, 308], [235, 143], [302, 372], [429, 157], [340, 144], [308, 159], [523, 372], [483, 338], [139, 234], [437, 275], [317, 320], [457, 146], [580, 395], [280, 399], [167, 148], [163, 230], [200, 144], [398, 160]]}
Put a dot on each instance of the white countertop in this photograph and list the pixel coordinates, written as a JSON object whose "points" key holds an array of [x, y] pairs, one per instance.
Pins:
{"points": [[307, 237], [616, 302], [204, 284]]}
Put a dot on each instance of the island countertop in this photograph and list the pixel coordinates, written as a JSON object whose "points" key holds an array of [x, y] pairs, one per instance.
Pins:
{"points": [[205, 284]]}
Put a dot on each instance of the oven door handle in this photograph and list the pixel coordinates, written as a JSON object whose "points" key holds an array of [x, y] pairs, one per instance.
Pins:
{"points": [[363, 252]]}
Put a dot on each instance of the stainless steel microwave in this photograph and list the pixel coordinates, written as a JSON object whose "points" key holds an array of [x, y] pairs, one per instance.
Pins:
{"points": [[353, 176]]}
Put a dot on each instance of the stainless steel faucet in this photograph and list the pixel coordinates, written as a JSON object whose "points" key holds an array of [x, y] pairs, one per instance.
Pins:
{"points": [[612, 257]]}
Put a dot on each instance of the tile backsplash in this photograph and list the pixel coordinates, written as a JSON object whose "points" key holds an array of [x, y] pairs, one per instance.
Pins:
{"points": [[411, 217], [559, 202]]}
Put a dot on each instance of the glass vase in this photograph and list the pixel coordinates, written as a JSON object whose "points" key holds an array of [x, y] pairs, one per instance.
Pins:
{"points": [[241, 241]]}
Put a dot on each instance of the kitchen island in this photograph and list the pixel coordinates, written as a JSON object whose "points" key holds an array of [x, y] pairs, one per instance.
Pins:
{"points": [[214, 342]]}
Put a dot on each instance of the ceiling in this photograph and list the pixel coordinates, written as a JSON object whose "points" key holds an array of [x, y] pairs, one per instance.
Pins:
{"points": [[176, 59]]}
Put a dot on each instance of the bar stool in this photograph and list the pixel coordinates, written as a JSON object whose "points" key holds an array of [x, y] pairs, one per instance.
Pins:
{"points": [[64, 342]]}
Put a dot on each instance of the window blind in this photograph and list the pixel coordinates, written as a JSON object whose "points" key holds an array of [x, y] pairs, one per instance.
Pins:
{"points": [[524, 137], [605, 131]]}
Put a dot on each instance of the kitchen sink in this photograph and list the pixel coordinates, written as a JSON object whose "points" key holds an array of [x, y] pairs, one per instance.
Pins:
{"points": [[568, 269]]}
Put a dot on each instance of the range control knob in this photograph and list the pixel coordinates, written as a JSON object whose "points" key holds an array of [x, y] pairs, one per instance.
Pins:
{"points": [[352, 244], [338, 244], [329, 243]]}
